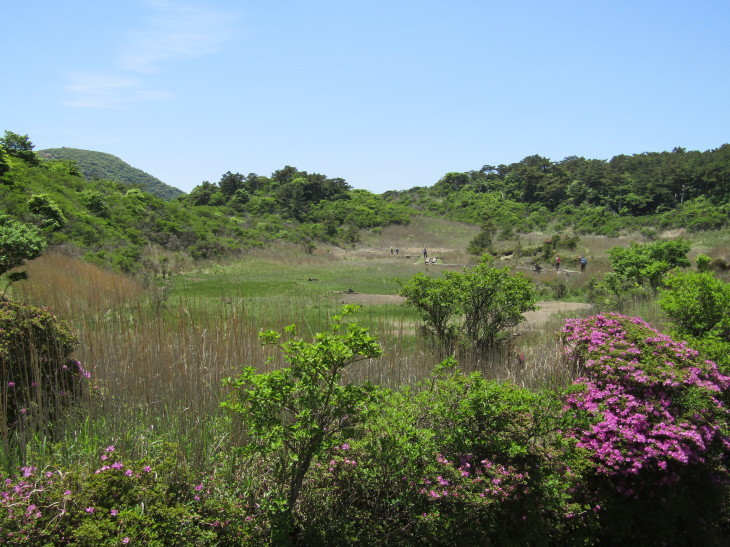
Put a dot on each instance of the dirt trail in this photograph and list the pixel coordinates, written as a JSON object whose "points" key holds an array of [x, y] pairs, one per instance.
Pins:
{"points": [[533, 318], [551, 307]]}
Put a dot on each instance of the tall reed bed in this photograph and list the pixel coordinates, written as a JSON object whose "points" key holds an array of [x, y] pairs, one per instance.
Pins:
{"points": [[158, 356]]}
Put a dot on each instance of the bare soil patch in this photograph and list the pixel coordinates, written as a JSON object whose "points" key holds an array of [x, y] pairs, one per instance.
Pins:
{"points": [[533, 318], [549, 308]]}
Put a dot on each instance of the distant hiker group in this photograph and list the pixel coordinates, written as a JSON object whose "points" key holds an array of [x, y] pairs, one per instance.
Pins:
{"points": [[557, 263], [395, 251]]}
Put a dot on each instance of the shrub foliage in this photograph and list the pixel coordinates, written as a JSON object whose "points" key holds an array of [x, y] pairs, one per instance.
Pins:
{"points": [[38, 378]]}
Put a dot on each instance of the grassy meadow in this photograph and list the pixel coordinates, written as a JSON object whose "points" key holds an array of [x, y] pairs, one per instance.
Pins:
{"points": [[158, 350]]}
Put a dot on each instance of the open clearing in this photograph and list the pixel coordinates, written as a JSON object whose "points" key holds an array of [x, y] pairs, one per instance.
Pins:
{"points": [[533, 318]]}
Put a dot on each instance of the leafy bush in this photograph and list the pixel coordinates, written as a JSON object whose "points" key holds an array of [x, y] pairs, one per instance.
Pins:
{"points": [[648, 262], [50, 213], [37, 377], [481, 243], [436, 299], [291, 415], [94, 201], [703, 262], [120, 501], [18, 242], [612, 291], [461, 460], [698, 303], [488, 300]]}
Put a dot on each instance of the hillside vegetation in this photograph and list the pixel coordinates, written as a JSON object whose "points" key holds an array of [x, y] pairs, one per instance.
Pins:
{"points": [[647, 192], [113, 223], [118, 224], [249, 402], [99, 165]]}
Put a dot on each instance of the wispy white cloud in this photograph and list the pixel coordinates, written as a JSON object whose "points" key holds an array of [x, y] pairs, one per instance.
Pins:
{"points": [[174, 31], [109, 91]]}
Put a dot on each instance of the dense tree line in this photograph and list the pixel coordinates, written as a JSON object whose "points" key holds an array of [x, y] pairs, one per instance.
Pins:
{"points": [[114, 222], [636, 184], [685, 188], [326, 202]]}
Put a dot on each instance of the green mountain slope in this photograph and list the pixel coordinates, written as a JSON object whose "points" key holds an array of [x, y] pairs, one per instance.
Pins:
{"points": [[115, 224], [99, 165]]}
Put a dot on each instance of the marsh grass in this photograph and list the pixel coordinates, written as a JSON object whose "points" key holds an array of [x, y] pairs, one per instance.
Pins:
{"points": [[73, 287], [157, 364], [158, 354]]}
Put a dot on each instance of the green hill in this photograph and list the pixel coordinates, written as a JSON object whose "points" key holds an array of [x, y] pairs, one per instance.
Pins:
{"points": [[99, 165], [114, 223]]}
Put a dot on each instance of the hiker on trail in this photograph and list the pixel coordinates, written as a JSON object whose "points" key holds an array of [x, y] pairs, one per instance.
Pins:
{"points": [[391, 250], [583, 263], [425, 253], [397, 251], [557, 262]]}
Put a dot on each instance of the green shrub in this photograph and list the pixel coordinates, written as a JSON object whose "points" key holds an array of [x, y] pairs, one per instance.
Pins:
{"points": [[290, 416], [50, 213], [119, 501], [37, 377], [649, 262], [703, 262], [460, 460], [18, 242], [488, 301], [698, 304]]}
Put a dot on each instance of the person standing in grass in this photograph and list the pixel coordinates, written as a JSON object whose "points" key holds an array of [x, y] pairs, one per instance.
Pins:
{"points": [[425, 253], [557, 262], [583, 264]]}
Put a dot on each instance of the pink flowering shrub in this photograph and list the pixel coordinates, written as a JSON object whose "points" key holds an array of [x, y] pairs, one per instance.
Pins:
{"points": [[651, 417], [655, 403]]}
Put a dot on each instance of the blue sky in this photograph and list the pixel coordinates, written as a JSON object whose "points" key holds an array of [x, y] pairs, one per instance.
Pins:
{"points": [[385, 94]]}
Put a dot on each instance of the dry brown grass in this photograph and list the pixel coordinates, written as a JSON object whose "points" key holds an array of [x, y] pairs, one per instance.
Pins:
{"points": [[151, 365], [72, 287], [167, 363], [445, 239]]}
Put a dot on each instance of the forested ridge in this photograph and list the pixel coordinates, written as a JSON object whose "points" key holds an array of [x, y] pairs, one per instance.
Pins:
{"points": [[100, 165], [117, 223], [681, 188]]}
